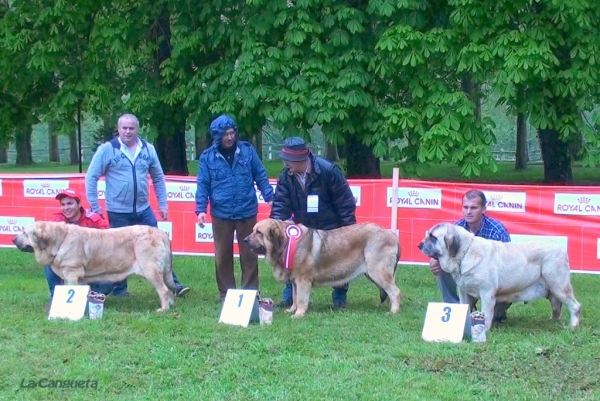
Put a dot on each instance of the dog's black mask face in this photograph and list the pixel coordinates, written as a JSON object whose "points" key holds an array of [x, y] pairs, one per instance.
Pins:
{"points": [[26, 248]]}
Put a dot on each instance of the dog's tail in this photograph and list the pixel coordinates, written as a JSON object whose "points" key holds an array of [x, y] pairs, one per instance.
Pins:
{"points": [[168, 272], [382, 294]]}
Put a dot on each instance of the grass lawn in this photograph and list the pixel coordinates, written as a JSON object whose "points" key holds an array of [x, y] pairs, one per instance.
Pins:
{"points": [[362, 353]]}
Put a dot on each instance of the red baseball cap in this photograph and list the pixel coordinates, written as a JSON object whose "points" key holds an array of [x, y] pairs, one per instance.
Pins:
{"points": [[68, 193]]}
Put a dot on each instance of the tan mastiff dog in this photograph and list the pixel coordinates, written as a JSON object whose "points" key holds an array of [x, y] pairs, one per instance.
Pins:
{"points": [[81, 255], [495, 271], [329, 258]]}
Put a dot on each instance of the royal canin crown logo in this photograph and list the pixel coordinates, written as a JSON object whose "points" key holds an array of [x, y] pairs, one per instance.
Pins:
{"points": [[45, 184], [184, 188], [584, 199], [12, 221], [496, 197], [414, 194]]}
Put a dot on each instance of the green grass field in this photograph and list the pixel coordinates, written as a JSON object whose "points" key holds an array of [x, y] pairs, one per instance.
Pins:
{"points": [[362, 353]]}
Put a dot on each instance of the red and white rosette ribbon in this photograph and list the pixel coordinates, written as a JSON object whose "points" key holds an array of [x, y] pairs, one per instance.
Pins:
{"points": [[294, 233]]}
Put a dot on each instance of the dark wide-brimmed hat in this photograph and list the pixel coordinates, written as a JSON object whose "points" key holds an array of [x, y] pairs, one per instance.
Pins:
{"points": [[294, 150]]}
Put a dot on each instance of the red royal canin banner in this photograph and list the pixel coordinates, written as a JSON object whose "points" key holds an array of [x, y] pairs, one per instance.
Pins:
{"points": [[569, 216]]}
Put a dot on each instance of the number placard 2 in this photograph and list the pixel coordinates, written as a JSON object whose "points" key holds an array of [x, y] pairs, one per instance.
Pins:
{"points": [[69, 302], [239, 308], [445, 322]]}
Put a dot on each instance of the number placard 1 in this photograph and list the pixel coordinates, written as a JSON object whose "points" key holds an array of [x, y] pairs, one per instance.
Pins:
{"points": [[445, 322], [69, 302], [239, 308]]}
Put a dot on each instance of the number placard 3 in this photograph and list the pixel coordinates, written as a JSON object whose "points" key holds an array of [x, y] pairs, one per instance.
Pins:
{"points": [[445, 322], [239, 307], [69, 302]]}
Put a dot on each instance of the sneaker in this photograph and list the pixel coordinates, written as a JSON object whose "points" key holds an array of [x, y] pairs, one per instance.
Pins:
{"points": [[500, 319], [338, 304], [182, 290], [285, 304]]}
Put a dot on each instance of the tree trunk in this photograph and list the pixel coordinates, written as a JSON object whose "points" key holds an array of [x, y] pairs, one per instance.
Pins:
{"points": [[23, 145], [3, 154], [73, 152], [331, 152], [53, 153], [202, 142], [556, 157], [472, 90], [360, 161], [576, 146], [522, 152], [171, 148], [171, 118]]}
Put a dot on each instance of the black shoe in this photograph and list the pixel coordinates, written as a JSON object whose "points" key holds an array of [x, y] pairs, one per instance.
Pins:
{"points": [[500, 319], [285, 304], [182, 290], [339, 304]]}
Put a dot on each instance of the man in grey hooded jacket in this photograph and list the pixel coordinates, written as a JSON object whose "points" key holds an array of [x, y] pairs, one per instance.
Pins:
{"points": [[125, 163], [226, 176]]}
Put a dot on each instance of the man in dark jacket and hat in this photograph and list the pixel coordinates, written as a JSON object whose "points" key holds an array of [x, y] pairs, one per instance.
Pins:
{"points": [[226, 176], [313, 192]]}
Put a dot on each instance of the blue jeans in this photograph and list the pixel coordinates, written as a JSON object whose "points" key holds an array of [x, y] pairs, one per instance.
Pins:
{"points": [[145, 218], [338, 294], [53, 280]]}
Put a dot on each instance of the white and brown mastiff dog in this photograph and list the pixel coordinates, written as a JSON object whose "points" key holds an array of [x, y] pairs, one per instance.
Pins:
{"points": [[331, 258], [81, 255], [495, 271]]}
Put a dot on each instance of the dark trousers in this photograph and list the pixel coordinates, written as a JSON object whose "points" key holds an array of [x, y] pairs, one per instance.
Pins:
{"points": [[223, 236], [145, 218]]}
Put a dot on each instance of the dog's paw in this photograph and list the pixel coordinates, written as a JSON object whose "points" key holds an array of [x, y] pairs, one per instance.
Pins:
{"points": [[162, 310], [291, 310], [297, 315]]}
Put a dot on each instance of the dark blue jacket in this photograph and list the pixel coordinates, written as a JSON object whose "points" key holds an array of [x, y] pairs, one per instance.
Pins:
{"points": [[230, 189], [337, 206]]}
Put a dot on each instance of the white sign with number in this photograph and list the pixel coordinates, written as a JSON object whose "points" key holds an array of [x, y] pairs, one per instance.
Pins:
{"points": [[69, 302], [239, 308], [445, 322]]}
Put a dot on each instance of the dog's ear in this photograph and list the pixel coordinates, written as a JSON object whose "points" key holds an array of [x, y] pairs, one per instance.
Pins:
{"points": [[452, 243], [41, 237], [276, 236]]}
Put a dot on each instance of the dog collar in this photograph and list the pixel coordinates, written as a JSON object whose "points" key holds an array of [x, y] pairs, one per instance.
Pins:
{"points": [[294, 233]]}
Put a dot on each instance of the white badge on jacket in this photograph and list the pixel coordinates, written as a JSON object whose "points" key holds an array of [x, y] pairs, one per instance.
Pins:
{"points": [[312, 204]]}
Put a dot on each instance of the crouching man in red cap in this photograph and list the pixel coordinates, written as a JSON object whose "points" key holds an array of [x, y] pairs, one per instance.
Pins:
{"points": [[73, 213]]}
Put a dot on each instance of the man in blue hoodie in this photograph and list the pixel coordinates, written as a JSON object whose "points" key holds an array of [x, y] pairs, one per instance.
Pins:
{"points": [[125, 163], [226, 176]]}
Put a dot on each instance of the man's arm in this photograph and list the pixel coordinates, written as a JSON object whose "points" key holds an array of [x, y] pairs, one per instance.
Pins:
{"points": [[158, 179], [342, 196], [203, 185], [95, 170]]}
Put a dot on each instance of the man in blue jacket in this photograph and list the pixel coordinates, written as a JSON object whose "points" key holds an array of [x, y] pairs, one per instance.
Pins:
{"points": [[226, 176], [125, 163]]}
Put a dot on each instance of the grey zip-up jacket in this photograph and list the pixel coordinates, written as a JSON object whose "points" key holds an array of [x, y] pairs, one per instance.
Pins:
{"points": [[127, 186]]}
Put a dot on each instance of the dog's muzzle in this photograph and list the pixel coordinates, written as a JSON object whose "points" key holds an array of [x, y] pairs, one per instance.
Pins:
{"points": [[21, 247], [259, 250], [425, 248]]}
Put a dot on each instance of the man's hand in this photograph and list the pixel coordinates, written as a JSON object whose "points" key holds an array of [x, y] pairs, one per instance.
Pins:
{"points": [[201, 219], [163, 213], [434, 266]]}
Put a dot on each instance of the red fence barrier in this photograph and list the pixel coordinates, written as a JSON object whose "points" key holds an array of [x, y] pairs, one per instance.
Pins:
{"points": [[567, 215]]}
